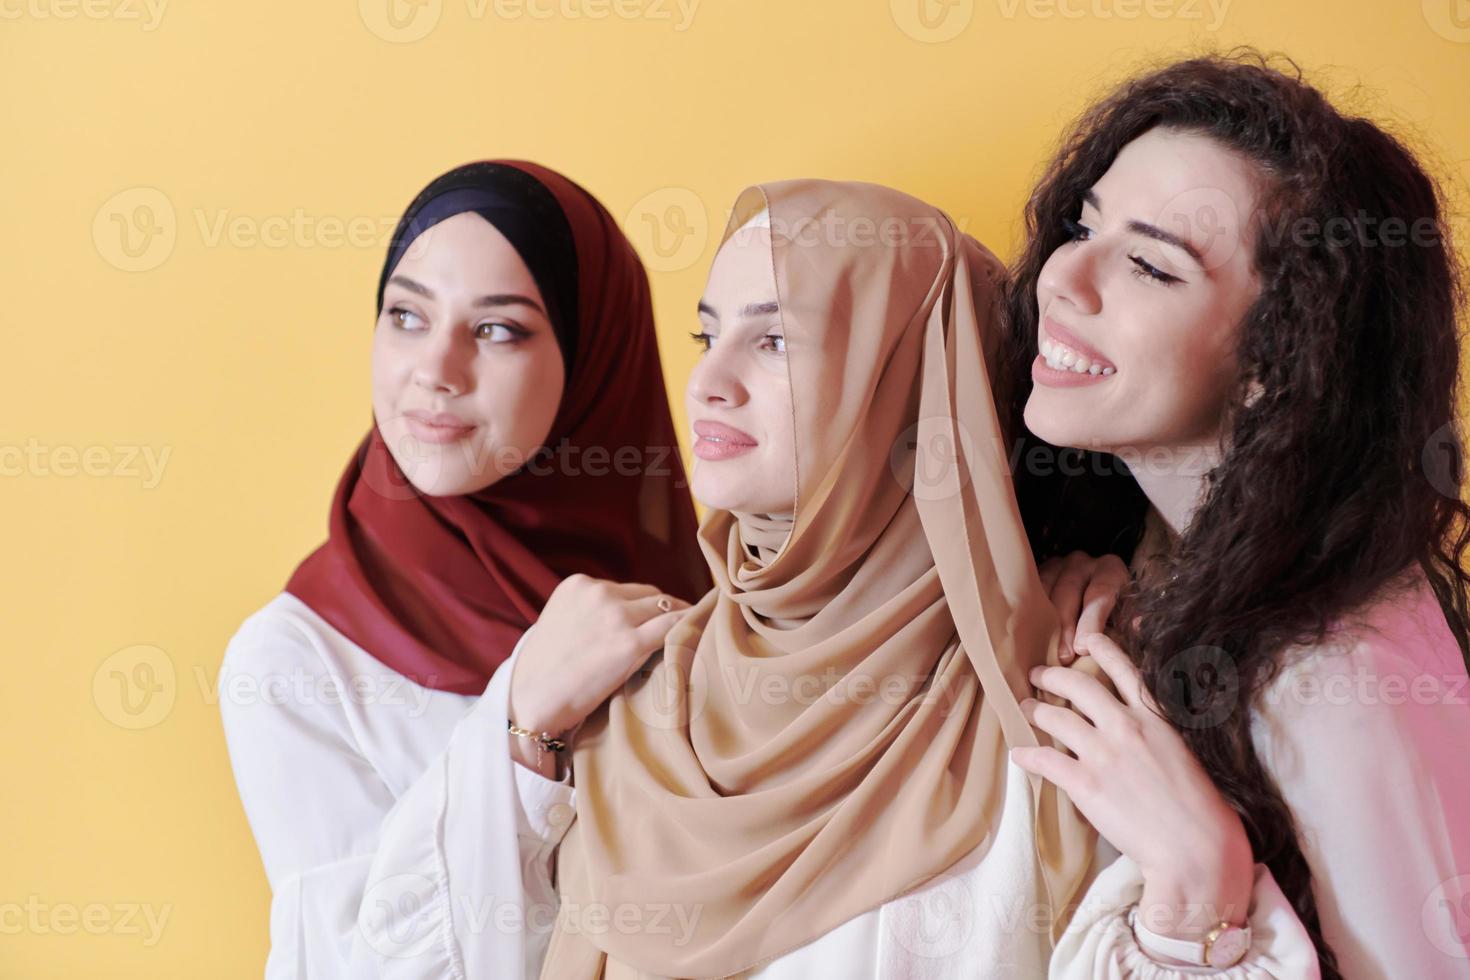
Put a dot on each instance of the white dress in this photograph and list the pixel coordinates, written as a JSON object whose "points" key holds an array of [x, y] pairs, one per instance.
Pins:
{"points": [[324, 739], [385, 826]]}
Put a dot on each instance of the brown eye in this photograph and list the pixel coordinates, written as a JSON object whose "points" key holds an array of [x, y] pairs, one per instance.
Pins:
{"points": [[1076, 231], [396, 315], [499, 333]]}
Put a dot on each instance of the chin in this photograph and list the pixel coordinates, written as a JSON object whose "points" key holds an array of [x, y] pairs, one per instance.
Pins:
{"points": [[1065, 429], [725, 494], [441, 485], [1047, 421], [713, 496], [441, 472]]}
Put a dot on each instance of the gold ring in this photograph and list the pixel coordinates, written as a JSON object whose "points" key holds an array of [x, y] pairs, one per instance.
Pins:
{"points": [[664, 603]]}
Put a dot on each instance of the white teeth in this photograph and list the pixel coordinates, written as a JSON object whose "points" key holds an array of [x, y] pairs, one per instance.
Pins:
{"points": [[1062, 358]]}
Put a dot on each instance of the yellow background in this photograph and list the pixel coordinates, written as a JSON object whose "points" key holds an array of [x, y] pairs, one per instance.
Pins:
{"points": [[266, 149]]}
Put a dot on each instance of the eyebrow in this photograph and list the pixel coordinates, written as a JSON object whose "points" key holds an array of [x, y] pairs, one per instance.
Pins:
{"points": [[1151, 231], [491, 299], [749, 310]]}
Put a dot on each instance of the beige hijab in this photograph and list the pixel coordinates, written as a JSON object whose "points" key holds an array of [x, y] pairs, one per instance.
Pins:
{"points": [[770, 782]]}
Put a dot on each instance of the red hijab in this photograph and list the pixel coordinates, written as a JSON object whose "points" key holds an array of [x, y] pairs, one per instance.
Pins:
{"points": [[441, 588]]}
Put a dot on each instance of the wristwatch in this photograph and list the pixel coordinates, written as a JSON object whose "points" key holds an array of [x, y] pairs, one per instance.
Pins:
{"points": [[1225, 945]]}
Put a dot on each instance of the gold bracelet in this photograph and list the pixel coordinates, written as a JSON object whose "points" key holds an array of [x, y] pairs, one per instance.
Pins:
{"points": [[543, 740]]}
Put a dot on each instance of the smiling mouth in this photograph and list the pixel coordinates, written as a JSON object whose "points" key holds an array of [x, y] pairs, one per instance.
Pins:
{"points": [[1062, 351], [1060, 357]]}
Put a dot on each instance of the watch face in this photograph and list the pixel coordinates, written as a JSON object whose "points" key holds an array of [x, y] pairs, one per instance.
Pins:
{"points": [[1229, 947]]}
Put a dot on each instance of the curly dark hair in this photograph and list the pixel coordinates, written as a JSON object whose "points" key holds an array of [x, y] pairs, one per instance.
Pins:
{"points": [[1338, 479]]}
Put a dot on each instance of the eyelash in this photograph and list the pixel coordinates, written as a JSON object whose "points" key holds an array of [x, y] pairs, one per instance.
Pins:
{"points": [[705, 339], [518, 333], [1143, 269]]}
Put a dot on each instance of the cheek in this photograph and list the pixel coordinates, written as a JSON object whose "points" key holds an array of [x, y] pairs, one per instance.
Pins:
{"points": [[770, 397], [1178, 384], [1194, 347], [389, 369], [518, 397]]}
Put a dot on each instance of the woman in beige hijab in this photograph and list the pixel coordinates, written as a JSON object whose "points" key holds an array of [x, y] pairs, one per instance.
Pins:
{"points": [[902, 590]]}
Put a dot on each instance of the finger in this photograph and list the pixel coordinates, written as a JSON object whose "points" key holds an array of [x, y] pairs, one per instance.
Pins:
{"points": [[1062, 724], [1052, 765], [1082, 690], [629, 590], [650, 635], [644, 608], [1119, 667], [1049, 572], [1066, 595], [1097, 605], [1107, 577], [1065, 656]]}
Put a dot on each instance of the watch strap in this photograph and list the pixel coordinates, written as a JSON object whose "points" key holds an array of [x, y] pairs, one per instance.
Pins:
{"points": [[1192, 953]]}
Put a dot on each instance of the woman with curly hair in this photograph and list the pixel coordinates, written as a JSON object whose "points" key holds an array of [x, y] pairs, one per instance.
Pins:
{"points": [[1233, 351]]}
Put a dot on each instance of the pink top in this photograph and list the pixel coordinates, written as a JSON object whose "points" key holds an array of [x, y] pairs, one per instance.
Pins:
{"points": [[1367, 734]]}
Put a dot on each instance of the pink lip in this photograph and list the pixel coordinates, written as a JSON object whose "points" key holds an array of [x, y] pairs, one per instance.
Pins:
{"points": [[715, 440], [1075, 343], [440, 427]]}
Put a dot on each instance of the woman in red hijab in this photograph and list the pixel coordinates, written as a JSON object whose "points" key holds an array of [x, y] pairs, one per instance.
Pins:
{"points": [[521, 435]]}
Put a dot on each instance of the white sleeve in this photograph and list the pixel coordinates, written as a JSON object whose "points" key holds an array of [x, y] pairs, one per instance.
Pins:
{"points": [[461, 884], [1098, 943], [1369, 749], [315, 803], [312, 799]]}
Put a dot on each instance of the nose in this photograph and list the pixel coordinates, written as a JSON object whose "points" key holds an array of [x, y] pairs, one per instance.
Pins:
{"points": [[716, 379], [1071, 274], [443, 364]]}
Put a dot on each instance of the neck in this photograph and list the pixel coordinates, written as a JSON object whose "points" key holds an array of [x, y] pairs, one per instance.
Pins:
{"points": [[1176, 489]]}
